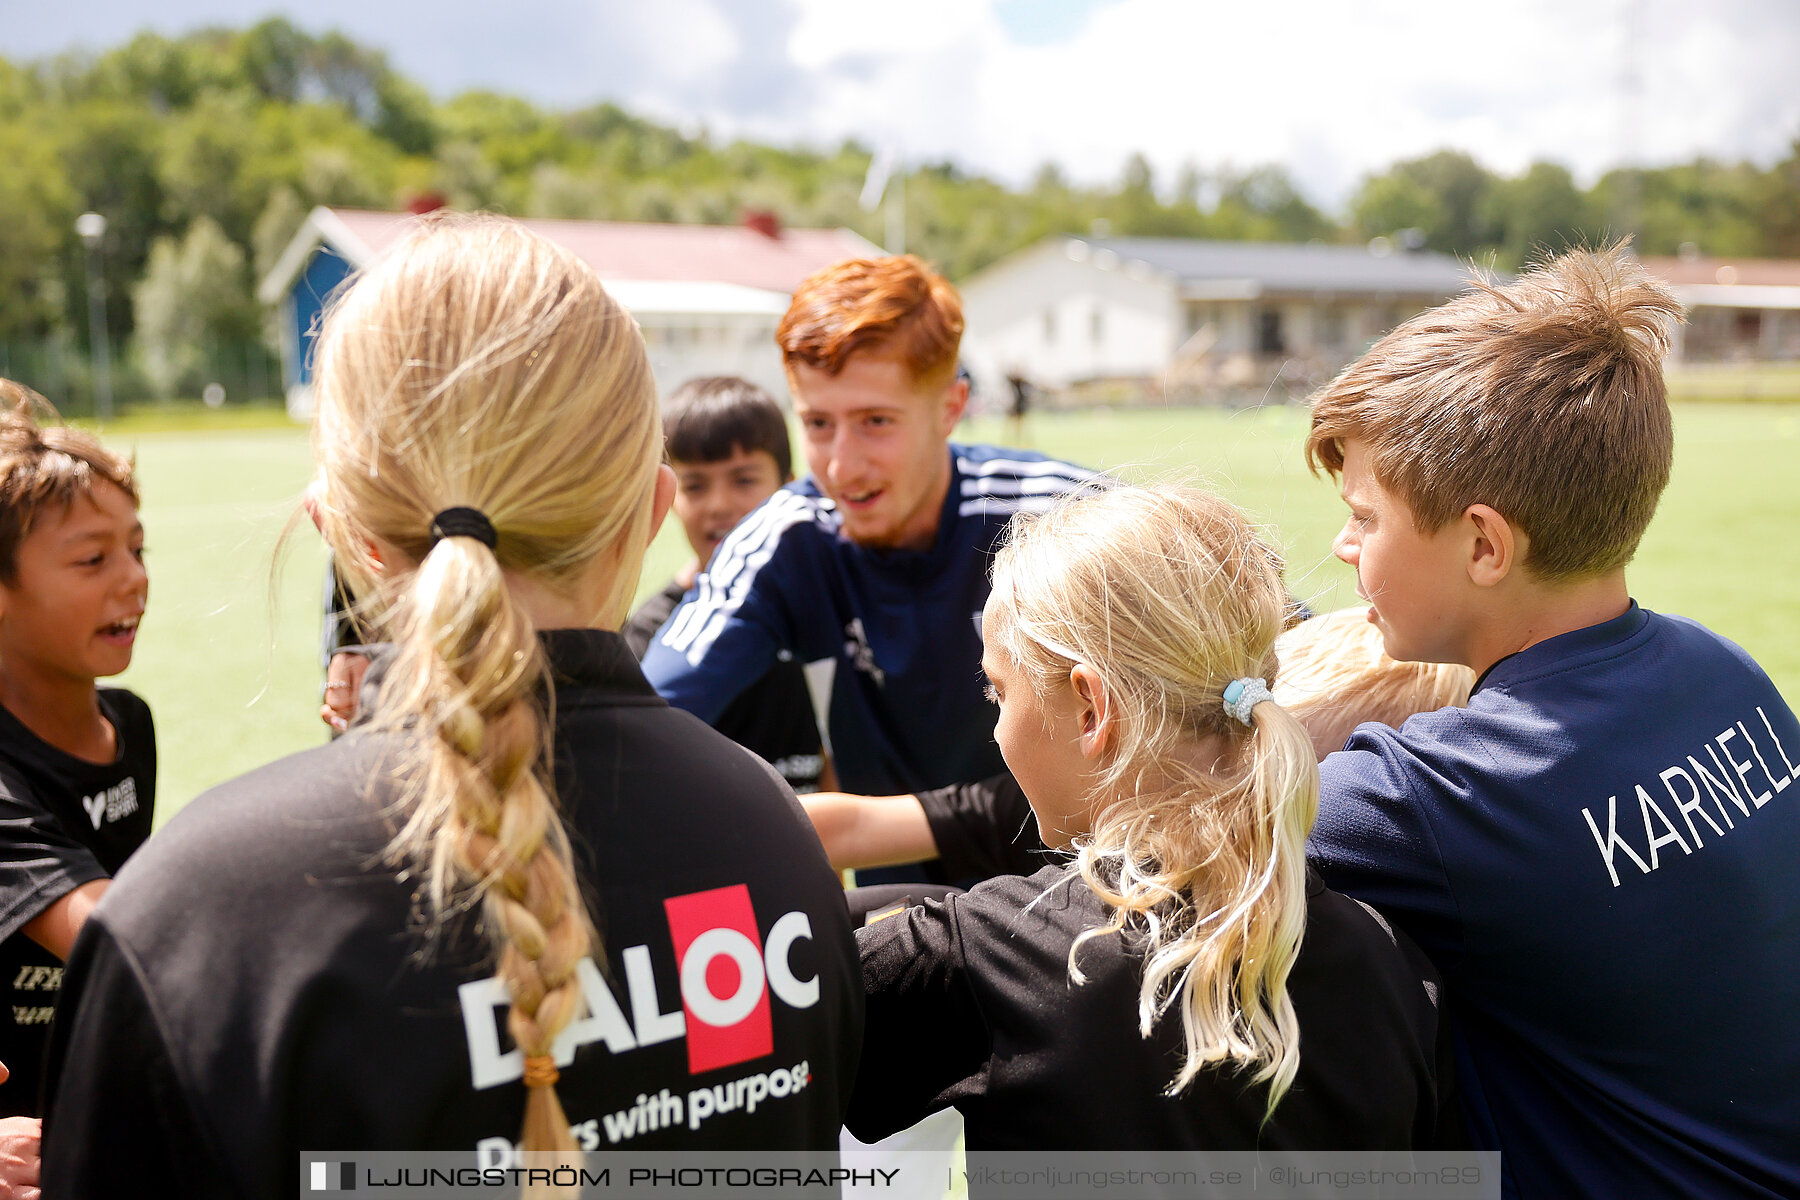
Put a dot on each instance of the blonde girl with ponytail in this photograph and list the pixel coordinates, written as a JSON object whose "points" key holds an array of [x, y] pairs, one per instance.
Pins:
{"points": [[476, 924], [1182, 982]]}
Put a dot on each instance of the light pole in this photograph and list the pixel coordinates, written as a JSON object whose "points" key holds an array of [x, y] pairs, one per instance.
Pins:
{"points": [[92, 228]]}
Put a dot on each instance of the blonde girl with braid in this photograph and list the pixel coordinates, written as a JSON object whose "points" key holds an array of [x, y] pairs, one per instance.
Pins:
{"points": [[529, 907], [1182, 982]]}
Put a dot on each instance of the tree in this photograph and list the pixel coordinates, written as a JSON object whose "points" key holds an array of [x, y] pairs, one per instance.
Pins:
{"points": [[1443, 194], [1386, 204], [276, 59], [38, 213], [404, 115], [167, 74], [108, 149], [1777, 204], [275, 228], [234, 134], [201, 167], [1268, 207], [1189, 182], [465, 176], [193, 298], [512, 134], [1717, 206], [1541, 212]]}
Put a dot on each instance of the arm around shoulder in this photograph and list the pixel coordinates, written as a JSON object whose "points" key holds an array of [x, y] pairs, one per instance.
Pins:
{"points": [[870, 831]]}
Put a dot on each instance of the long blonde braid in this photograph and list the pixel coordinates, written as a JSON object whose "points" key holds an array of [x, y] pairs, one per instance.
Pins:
{"points": [[481, 366]]}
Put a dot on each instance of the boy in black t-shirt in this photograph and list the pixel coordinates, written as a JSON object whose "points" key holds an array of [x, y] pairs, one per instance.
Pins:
{"points": [[728, 442], [77, 763]]}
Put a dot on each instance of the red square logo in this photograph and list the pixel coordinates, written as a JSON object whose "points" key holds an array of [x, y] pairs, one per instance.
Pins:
{"points": [[719, 955]]}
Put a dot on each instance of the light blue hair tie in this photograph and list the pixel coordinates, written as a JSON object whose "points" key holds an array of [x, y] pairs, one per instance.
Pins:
{"points": [[1243, 695]]}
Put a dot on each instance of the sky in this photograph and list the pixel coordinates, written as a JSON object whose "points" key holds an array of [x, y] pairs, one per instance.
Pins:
{"points": [[1332, 89]]}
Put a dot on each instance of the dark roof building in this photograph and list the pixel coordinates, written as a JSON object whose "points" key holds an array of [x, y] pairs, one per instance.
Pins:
{"points": [[1194, 316], [1265, 268]]}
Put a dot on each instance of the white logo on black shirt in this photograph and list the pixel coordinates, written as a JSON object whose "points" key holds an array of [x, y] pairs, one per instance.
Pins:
{"points": [[720, 1030], [38, 979], [115, 803]]}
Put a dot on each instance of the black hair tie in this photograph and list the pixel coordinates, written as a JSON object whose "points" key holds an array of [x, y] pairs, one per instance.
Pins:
{"points": [[464, 522]]}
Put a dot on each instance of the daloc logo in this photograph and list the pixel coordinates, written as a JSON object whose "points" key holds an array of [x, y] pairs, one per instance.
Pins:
{"points": [[726, 973]]}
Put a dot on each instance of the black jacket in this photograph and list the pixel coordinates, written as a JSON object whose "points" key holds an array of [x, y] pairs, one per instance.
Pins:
{"points": [[254, 985]]}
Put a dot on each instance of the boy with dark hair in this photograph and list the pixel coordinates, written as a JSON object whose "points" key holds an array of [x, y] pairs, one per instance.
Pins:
{"points": [[1598, 852], [77, 762], [873, 570], [727, 441]]}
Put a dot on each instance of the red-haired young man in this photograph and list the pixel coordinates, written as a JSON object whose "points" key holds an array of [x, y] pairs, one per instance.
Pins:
{"points": [[873, 570]]}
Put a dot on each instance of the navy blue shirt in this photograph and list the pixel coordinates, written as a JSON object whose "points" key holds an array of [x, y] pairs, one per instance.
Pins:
{"points": [[1601, 853], [890, 639]]}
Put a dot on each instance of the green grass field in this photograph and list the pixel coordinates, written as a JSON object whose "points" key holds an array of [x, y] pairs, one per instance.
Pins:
{"points": [[228, 657], [1778, 381]]}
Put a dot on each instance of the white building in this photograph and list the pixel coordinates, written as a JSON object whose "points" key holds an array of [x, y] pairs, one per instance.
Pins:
{"points": [[1738, 310], [707, 297], [1182, 314]]}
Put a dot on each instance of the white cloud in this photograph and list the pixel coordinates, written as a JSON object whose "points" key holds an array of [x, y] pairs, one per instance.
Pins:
{"points": [[829, 31], [1331, 88], [686, 41]]}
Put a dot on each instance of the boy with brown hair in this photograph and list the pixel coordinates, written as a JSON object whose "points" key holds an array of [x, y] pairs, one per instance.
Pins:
{"points": [[872, 571], [1598, 851], [77, 762]]}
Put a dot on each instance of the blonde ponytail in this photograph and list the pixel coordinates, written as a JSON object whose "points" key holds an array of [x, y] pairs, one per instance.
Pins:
{"points": [[1169, 595], [481, 366], [484, 817], [1283, 784]]}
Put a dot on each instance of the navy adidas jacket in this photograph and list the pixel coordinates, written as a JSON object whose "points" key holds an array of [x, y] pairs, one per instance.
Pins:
{"points": [[890, 639]]}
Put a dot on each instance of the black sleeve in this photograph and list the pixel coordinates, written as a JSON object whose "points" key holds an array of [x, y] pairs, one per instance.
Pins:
{"points": [[1438, 1124], [40, 861], [984, 829], [116, 1121], [925, 1042], [1441, 1128]]}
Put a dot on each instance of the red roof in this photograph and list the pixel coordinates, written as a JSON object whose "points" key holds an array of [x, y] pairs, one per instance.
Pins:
{"points": [[1751, 272], [641, 250]]}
